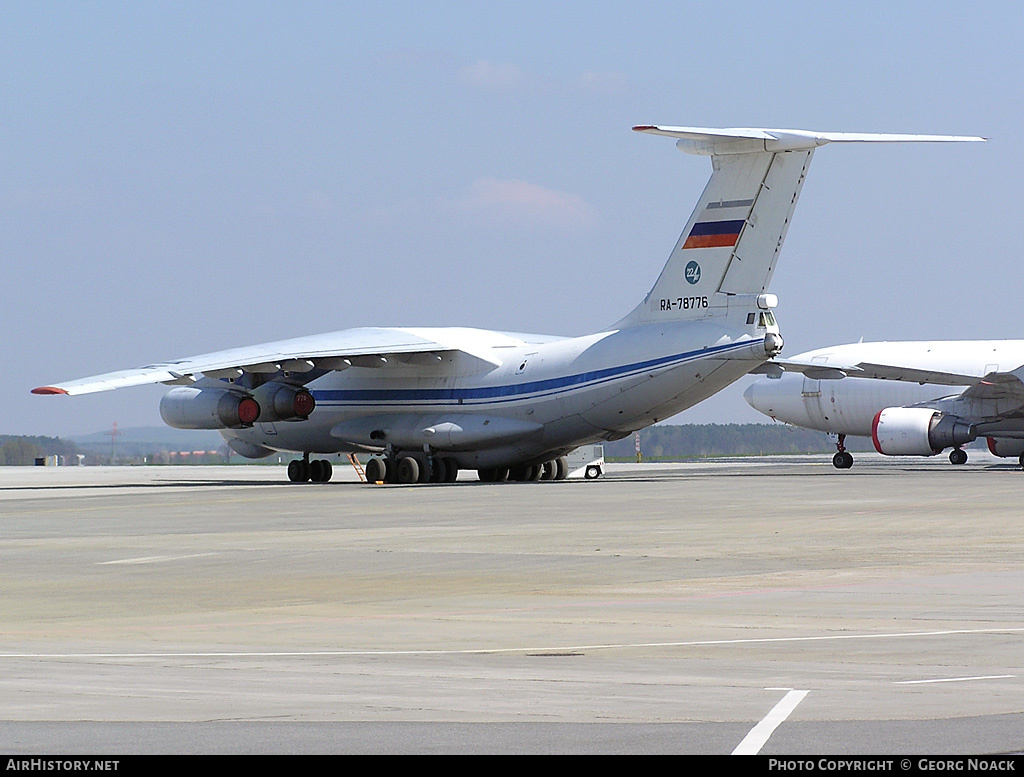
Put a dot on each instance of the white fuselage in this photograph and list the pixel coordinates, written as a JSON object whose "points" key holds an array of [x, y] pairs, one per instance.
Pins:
{"points": [[576, 390], [849, 405]]}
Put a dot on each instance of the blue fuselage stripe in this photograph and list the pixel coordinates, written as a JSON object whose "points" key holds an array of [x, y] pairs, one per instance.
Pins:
{"points": [[515, 390]]}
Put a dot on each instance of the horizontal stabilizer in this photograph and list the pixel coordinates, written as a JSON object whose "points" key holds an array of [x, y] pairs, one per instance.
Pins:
{"points": [[710, 142]]}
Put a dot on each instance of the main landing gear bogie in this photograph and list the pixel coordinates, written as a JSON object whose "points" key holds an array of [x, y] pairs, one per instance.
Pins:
{"points": [[305, 471], [409, 468], [555, 469]]}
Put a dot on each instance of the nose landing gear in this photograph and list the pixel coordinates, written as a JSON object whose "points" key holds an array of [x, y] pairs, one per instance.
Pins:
{"points": [[843, 458], [958, 456]]}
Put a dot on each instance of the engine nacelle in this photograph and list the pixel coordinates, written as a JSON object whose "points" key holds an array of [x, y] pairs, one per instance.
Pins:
{"points": [[188, 407], [282, 402], [918, 431], [248, 449], [1005, 447]]}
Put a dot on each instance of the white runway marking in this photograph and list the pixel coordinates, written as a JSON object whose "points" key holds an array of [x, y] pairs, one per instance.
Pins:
{"points": [[152, 559], [755, 740], [956, 679], [485, 651]]}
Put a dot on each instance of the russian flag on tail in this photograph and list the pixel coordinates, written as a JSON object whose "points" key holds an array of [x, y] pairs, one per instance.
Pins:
{"points": [[714, 234]]}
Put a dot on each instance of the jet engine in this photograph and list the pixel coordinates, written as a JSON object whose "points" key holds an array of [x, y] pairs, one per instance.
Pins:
{"points": [[282, 402], [918, 431], [1005, 447], [188, 407], [248, 450]]}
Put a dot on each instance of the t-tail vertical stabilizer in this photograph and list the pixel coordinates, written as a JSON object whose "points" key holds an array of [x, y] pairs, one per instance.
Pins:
{"points": [[731, 243]]}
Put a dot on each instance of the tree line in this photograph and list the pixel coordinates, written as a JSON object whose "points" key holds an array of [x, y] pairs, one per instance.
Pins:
{"points": [[22, 451]]}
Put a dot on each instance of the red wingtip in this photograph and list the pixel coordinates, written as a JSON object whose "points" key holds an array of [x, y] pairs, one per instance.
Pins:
{"points": [[643, 127], [48, 390]]}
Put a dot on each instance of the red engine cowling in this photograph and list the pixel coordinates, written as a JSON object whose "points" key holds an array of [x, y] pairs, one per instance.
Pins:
{"points": [[918, 431], [188, 407]]}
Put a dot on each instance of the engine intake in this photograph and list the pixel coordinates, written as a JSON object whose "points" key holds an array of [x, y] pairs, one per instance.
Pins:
{"points": [[188, 407], [918, 431]]}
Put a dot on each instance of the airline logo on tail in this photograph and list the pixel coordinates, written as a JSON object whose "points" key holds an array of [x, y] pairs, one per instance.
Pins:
{"points": [[692, 273]]}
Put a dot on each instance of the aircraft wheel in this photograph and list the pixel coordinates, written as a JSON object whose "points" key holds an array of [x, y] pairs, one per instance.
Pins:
{"points": [[486, 474], [424, 464], [326, 472], [1020, 460], [451, 473], [316, 470], [376, 471], [436, 467], [547, 470], [561, 468], [592, 472], [298, 471], [440, 469], [842, 460], [408, 470], [523, 474], [958, 456]]}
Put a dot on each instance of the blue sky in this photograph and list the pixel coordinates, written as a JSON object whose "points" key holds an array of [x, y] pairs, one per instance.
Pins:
{"points": [[185, 177]]}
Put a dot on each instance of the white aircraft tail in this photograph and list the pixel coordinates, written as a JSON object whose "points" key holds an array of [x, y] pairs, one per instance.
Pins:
{"points": [[732, 241]]}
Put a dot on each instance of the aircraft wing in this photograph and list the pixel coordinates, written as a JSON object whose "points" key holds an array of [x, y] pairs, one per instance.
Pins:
{"points": [[813, 370], [820, 371], [914, 374], [312, 355], [1006, 387], [997, 386]]}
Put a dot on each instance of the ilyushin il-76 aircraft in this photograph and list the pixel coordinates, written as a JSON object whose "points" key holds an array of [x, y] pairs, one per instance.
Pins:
{"points": [[429, 402], [902, 395]]}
